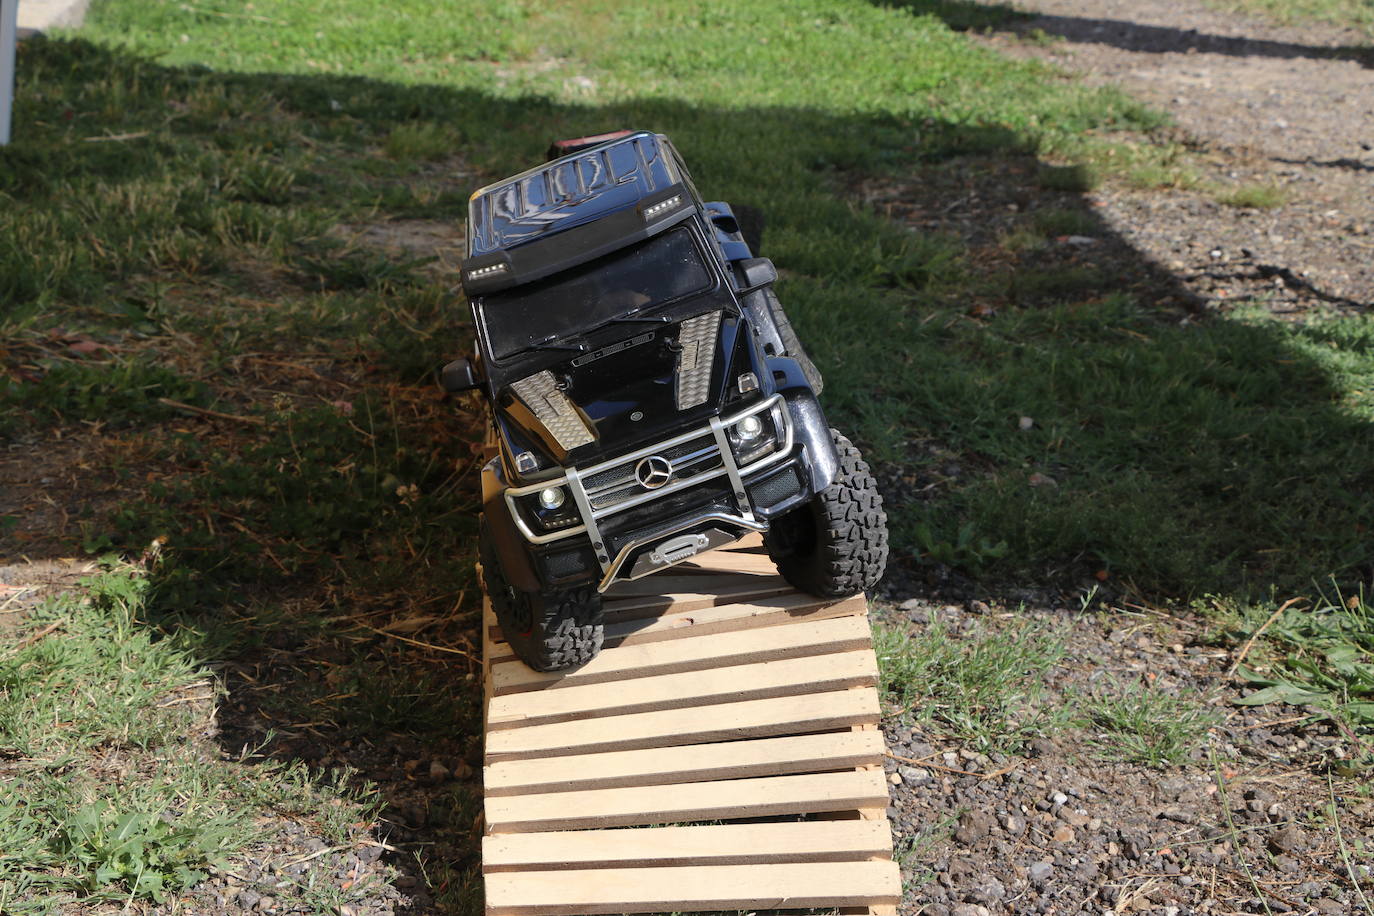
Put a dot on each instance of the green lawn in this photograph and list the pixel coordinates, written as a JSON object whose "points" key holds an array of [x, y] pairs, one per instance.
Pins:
{"points": [[171, 232]]}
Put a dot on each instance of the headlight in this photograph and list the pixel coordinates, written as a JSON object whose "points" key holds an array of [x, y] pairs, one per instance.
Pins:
{"points": [[549, 509], [754, 436]]}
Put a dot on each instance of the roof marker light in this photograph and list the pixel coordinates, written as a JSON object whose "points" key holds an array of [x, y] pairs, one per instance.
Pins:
{"points": [[662, 206], [478, 272]]}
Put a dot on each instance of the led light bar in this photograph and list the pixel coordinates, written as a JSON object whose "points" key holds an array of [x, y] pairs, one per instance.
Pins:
{"points": [[663, 206], [552, 408], [697, 338], [478, 273]]}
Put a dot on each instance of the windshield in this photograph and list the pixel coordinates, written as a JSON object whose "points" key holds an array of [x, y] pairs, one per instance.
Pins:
{"points": [[628, 282]]}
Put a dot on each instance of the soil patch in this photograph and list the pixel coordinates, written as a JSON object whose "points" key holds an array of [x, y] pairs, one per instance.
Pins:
{"points": [[1282, 107]]}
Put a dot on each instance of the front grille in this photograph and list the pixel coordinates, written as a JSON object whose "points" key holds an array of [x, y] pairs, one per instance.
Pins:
{"points": [[609, 488]]}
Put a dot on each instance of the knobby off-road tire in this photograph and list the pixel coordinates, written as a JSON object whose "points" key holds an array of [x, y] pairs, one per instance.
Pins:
{"points": [[549, 631], [836, 544]]}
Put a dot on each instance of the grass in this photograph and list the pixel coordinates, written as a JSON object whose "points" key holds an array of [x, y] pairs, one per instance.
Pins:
{"points": [[170, 232], [93, 700], [986, 691], [1253, 197], [1356, 14], [1141, 724]]}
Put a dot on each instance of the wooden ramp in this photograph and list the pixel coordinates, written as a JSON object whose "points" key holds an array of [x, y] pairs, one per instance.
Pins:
{"points": [[721, 754]]}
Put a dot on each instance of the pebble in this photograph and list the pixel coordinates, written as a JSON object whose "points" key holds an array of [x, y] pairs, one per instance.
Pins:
{"points": [[1039, 871]]}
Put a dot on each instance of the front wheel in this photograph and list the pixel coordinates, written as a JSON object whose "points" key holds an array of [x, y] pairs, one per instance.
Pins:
{"points": [[836, 544], [549, 631]]}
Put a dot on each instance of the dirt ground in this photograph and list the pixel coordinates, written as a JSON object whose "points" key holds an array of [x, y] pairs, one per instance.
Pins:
{"points": [[1260, 104]]}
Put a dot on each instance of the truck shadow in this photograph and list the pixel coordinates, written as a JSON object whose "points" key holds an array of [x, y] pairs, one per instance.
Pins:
{"points": [[878, 224]]}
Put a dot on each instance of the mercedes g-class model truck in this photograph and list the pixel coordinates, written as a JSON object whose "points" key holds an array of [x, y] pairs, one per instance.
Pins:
{"points": [[648, 398]]}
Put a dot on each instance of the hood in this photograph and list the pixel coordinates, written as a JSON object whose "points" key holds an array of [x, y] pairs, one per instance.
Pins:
{"points": [[651, 383]]}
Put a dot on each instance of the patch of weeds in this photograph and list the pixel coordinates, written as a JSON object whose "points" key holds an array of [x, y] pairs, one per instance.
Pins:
{"points": [[1077, 178], [1320, 657], [145, 851], [1022, 240], [1259, 196], [115, 392], [984, 688], [1039, 37], [967, 550], [424, 141], [1156, 176], [1054, 221], [1139, 723]]}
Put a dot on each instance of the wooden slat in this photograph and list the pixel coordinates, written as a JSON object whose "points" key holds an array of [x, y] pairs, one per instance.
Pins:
{"points": [[694, 653], [718, 844], [636, 599], [718, 887], [722, 722], [728, 618], [733, 561], [725, 618], [697, 763], [807, 793], [785, 677]]}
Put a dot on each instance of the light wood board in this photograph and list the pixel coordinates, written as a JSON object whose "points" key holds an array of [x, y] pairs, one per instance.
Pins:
{"points": [[723, 696]]}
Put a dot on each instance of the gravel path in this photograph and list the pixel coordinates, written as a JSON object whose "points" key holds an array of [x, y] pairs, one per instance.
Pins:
{"points": [[1262, 104]]}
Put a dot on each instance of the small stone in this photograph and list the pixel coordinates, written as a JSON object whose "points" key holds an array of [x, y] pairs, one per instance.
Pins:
{"points": [[1040, 871], [1074, 818], [915, 776], [1289, 839], [248, 899], [437, 771], [1064, 834], [266, 905], [1026, 423], [895, 778], [1014, 825], [1059, 798]]}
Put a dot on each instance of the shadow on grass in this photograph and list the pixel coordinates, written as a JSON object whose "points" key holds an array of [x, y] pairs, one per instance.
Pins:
{"points": [[1185, 453]]}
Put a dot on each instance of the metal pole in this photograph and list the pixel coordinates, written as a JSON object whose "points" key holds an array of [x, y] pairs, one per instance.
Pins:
{"points": [[9, 34]]}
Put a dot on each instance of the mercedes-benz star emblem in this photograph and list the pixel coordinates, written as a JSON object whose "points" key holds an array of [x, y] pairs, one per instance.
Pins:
{"points": [[653, 472]]}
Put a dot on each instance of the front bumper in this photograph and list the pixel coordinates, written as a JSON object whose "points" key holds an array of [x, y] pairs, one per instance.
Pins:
{"points": [[713, 496]]}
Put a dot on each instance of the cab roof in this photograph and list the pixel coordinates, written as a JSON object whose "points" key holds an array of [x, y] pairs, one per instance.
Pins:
{"points": [[570, 191]]}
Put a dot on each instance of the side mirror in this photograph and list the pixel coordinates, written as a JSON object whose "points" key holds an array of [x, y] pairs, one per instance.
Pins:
{"points": [[757, 272], [458, 376]]}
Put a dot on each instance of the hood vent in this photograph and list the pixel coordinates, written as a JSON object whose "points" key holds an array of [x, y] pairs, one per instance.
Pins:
{"points": [[697, 338], [552, 408]]}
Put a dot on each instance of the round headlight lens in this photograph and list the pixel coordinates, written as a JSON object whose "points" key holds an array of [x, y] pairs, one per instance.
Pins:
{"points": [[551, 497], [749, 429]]}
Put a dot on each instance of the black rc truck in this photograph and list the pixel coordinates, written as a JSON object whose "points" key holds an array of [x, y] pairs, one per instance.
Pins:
{"points": [[650, 400]]}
